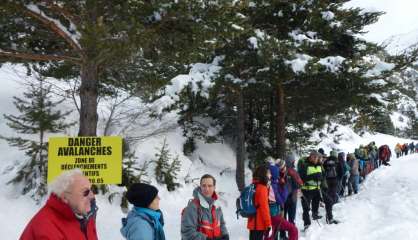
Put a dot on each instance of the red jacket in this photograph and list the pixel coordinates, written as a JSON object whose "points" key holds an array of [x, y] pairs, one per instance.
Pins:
{"points": [[56, 221], [262, 219]]}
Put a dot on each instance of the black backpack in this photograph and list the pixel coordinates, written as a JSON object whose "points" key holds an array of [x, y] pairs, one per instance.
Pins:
{"points": [[330, 166]]}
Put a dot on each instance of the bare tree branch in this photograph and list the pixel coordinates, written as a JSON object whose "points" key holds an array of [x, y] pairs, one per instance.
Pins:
{"points": [[38, 57]]}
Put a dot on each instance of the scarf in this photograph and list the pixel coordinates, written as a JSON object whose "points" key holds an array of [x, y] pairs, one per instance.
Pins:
{"points": [[156, 218]]}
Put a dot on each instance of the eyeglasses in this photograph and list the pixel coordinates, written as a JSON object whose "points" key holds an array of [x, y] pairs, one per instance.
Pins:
{"points": [[87, 192]]}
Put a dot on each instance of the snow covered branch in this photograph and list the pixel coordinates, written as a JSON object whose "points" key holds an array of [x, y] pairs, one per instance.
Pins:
{"points": [[33, 11]]}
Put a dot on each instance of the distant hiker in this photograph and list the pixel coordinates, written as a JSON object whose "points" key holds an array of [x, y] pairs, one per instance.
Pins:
{"points": [[260, 224], [384, 155], [145, 220], [294, 184], [398, 150], [311, 174], [68, 214], [278, 193], [405, 149], [353, 182], [203, 219], [343, 173], [329, 194], [411, 147]]}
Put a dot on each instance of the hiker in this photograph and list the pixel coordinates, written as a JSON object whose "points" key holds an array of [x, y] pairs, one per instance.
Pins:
{"points": [[69, 213], [398, 150], [145, 220], [329, 193], [384, 155], [278, 194], [311, 174], [294, 182], [343, 174], [260, 224], [353, 182], [203, 219]]}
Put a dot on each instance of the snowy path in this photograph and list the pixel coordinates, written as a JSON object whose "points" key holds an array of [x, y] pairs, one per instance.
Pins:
{"points": [[386, 207]]}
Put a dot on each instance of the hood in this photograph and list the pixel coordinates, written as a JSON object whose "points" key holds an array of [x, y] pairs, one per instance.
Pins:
{"points": [[129, 221], [205, 202]]}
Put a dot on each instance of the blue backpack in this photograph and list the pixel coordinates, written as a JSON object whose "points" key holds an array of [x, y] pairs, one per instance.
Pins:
{"points": [[245, 203]]}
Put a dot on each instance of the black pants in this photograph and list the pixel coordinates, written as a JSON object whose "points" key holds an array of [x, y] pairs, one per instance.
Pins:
{"points": [[256, 235], [310, 197], [330, 196]]}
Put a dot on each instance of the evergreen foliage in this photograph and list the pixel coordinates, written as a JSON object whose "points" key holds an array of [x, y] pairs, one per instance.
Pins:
{"points": [[166, 169], [38, 117]]}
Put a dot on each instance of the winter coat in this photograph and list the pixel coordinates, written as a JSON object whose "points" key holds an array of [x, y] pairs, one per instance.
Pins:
{"points": [[56, 220], [398, 148], [279, 188], [139, 225], [312, 176], [202, 207], [354, 165], [262, 220]]}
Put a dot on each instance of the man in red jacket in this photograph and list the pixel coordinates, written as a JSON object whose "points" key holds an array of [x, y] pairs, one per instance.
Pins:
{"points": [[69, 212]]}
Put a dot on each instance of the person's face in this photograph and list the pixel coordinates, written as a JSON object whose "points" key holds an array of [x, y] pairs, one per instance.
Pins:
{"points": [[268, 175], [207, 186], [79, 195], [155, 204]]}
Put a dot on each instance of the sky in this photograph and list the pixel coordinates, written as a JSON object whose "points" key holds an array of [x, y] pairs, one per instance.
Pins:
{"points": [[401, 18]]}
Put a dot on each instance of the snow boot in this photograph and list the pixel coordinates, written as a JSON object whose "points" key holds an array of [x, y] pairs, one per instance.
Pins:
{"points": [[316, 216], [332, 221]]}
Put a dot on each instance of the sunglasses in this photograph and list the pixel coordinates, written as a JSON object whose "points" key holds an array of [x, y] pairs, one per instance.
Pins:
{"points": [[87, 192]]}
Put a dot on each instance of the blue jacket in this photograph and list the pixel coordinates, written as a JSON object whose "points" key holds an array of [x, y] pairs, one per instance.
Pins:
{"points": [[139, 226], [280, 192]]}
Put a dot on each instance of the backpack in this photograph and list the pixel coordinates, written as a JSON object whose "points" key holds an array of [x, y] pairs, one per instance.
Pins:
{"points": [[246, 202], [384, 153], [330, 168]]}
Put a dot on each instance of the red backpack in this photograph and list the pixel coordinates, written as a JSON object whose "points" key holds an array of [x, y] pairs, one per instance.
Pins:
{"points": [[384, 153]]}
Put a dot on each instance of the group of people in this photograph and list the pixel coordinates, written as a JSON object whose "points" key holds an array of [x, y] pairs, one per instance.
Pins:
{"points": [[70, 211], [404, 149]]}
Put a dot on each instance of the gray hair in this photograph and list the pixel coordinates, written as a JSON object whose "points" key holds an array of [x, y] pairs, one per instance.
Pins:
{"points": [[64, 181]]}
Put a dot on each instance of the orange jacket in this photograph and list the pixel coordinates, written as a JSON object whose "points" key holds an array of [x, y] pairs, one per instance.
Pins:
{"points": [[262, 220]]}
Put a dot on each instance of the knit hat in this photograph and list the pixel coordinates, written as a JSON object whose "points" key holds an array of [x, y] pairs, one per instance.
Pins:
{"points": [[333, 153], [321, 151], [290, 159], [314, 153], [141, 194]]}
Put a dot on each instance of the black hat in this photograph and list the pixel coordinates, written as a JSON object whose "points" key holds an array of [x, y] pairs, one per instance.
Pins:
{"points": [[141, 194]]}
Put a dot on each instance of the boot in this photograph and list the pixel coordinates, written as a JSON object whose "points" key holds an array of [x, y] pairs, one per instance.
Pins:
{"points": [[315, 216], [332, 221]]}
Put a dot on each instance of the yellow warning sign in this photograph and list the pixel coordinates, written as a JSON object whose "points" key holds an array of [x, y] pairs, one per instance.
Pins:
{"points": [[100, 158]]}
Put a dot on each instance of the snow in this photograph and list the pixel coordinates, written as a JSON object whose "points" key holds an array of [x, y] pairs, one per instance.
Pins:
{"points": [[298, 64], [328, 15], [332, 63], [389, 195], [199, 79]]}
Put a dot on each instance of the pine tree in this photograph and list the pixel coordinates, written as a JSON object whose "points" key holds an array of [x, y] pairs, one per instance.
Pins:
{"points": [[162, 162], [166, 170], [107, 44], [38, 117], [171, 174]]}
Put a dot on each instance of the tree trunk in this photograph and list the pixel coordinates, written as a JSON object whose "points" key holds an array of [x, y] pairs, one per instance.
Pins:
{"points": [[240, 157], [280, 122], [88, 99]]}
